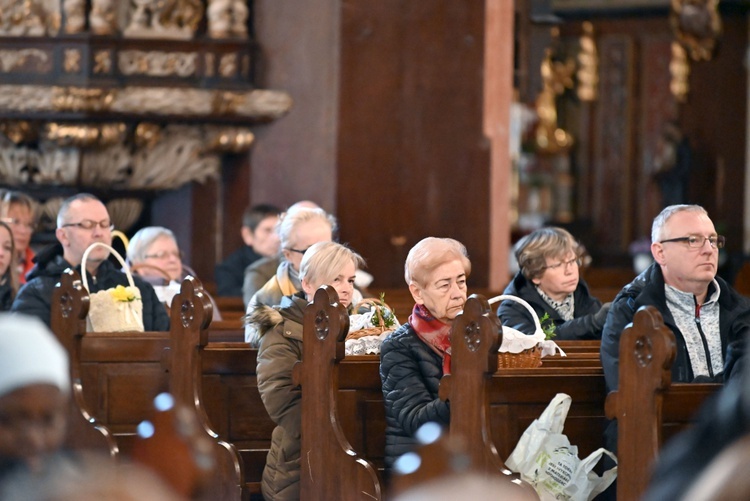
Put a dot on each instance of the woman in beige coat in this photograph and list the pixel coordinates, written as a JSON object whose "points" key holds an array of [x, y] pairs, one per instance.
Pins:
{"points": [[280, 330]]}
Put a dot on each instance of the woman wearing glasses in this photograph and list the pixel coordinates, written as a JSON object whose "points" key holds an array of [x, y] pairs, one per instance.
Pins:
{"points": [[549, 281], [153, 255], [18, 211]]}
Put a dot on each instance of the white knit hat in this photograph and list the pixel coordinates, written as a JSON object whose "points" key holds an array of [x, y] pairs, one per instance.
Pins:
{"points": [[30, 354]]}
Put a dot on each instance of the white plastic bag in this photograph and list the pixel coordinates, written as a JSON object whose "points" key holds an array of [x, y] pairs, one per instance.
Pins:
{"points": [[545, 459]]}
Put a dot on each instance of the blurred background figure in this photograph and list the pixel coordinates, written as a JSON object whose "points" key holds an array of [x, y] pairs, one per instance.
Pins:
{"points": [[8, 272], [260, 240], [34, 394], [154, 256], [549, 280], [19, 211]]}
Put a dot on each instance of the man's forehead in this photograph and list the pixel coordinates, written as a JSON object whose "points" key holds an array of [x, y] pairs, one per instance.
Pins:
{"points": [[92, 209], [689, 221]]}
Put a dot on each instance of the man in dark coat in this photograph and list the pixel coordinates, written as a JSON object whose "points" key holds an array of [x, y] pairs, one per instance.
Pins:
{"points": [[83, 219], [260, 240]]}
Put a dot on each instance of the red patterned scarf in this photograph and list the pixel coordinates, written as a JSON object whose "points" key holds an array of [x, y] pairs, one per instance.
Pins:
{"points": [[433, 333]]}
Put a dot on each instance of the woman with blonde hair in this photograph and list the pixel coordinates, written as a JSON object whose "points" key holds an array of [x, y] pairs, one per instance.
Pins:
{"points": [[280, 330], [19, 212], [549, 280]]}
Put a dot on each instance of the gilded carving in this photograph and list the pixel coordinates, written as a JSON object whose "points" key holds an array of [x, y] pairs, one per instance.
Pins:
{"points": [[36, 59], [83, 135], [228, 139], [679, 69], [227, 18], [80, 99], [228, 65], [147, 135], [72, 61], [175, 19], [34, 18], [697, 26], [103, 17], [256, 104], [157, 63], [556, 77], [75, 15], [18, 131], [102, 62], [588, 65]]}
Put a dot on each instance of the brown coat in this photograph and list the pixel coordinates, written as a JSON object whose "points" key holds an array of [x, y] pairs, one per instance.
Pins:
{"points": [[280, 348]]}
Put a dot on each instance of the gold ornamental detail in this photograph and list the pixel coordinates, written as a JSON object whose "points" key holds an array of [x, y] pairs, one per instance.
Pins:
{"points": [[157, 63], [78, 99], [36, 59], [102, 62], [72, 61]]}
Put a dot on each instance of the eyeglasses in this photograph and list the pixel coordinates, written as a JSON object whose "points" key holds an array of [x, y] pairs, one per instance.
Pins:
{"points": [[298, 251], [164, 255], [17, 222], [698, 241], [577, 261], [88, 224]]}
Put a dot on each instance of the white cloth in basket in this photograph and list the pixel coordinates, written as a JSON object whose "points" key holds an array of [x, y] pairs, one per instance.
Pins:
{"points": [[366, 345], [516, 342]]}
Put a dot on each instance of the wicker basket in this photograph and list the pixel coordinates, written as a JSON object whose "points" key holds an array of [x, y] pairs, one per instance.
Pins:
{"points": [[374, 330], [529, 358]]}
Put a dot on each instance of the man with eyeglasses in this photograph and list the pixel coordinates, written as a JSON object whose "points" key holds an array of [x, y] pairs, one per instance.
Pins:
{"points": [[82, 220], [705, 313]]}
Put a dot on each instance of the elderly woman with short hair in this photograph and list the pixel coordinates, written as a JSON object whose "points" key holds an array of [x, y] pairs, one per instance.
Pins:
{"points": [[549, 281], [299, 228], [414, 358], [280, 331]]}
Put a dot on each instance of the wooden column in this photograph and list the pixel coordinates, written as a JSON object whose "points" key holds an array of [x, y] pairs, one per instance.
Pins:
{"points": [[498, 95]]}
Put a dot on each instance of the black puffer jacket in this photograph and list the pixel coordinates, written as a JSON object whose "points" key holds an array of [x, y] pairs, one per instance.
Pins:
{"points": [[583, 326], [410, 372], [35, 297], [648, 289]]}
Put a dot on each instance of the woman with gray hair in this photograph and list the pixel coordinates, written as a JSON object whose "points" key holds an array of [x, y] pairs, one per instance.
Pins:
{"points": [[548, 280], [415, 357], [280, 331], [153, 254], [299, 229]]}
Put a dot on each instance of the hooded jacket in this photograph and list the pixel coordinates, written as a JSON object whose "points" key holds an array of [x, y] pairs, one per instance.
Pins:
{"points": [[280, 331], [35, 297], [648, 289], [583, 326]]}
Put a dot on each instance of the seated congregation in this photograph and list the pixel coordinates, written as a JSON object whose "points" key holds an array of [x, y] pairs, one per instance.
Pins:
{"points": [[293, 415]]}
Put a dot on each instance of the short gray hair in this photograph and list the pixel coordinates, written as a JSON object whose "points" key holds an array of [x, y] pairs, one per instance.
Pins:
{"points": [[62, 214], [533, 250], [668, 212], [142, 240], [295, 217], [431, 252], [322, 262]]}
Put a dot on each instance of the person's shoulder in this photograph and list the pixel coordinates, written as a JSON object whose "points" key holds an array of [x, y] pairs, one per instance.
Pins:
{"points": [[402, 336], [264, 265]]}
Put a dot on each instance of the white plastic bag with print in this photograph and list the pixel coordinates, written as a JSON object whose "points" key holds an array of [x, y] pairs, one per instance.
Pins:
{"points": [[545, 459]]}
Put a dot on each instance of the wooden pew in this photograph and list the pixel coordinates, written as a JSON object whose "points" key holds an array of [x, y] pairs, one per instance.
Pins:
{"points": [[231, 308], [191, 315], [648, 407], [70, 305], [330, 468]]}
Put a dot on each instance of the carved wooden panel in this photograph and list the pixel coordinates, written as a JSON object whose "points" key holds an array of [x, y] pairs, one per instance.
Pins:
{"points": [[611, 169]]}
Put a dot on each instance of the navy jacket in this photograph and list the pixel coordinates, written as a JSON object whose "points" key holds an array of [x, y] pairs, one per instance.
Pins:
{"points": [[515, 315], [410, 372]]}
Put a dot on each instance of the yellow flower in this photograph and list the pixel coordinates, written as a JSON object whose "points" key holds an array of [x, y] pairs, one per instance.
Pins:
{"points": [[121, 293]]}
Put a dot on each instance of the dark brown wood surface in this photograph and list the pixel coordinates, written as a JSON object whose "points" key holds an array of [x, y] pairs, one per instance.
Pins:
{"points": [[331, 468]]}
